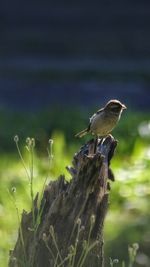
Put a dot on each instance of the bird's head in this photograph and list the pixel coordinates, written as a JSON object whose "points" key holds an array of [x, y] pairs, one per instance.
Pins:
{"points": [[115, 106]]}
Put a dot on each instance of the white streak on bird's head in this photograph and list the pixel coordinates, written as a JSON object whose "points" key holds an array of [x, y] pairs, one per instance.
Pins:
{"points": [[114, 106]]}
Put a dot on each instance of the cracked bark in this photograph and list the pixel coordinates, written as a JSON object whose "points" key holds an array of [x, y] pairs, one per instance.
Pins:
{"points": [[66, 206]]}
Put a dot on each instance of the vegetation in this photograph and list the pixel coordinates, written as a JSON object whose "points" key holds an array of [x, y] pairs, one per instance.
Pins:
{"points": [[129, 198]]}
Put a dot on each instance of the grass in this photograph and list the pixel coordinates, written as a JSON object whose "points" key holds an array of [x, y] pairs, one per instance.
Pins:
{"points": [[69, 260], [129, 199]]}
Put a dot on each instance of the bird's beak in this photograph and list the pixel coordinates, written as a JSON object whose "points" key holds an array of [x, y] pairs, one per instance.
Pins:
{"points": [[123, 106]]}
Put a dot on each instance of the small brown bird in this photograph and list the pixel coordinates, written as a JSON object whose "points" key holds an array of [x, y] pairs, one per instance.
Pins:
{"points": [[104, 120]]}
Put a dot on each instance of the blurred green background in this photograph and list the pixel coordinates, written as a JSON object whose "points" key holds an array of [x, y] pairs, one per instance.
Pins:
{"points": [[128, 217], [59, 63]]}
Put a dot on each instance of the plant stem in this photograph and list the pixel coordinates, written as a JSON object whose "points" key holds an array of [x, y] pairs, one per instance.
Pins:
{"points": [[22, 160]]}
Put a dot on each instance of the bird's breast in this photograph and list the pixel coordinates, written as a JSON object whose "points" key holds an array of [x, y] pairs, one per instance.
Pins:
{"points": [[102, 124]]}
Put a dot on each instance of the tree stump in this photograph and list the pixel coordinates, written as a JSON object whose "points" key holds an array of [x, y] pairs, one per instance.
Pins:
{"points": [[69, 232]]}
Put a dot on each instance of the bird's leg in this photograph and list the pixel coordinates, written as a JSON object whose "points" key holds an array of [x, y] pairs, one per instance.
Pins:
{"points": [[95, 145]]}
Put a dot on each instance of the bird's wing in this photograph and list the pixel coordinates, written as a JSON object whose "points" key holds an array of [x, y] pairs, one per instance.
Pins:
{"points": [[95, 114]]}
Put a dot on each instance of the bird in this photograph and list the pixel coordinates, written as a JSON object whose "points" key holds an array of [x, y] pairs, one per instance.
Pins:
{"points": [[104, 120]]}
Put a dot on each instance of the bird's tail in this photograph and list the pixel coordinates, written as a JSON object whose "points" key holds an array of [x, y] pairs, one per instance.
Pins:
{"points": [[82, 133]]}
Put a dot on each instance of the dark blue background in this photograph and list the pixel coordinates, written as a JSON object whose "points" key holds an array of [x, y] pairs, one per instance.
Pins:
{"points": [[74, 53]]}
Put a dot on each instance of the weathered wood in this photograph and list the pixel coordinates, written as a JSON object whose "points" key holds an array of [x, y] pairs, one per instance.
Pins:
{"points": [[67, 207]]}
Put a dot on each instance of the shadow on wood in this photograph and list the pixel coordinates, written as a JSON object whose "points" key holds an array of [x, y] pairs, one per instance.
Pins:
{"points": [[69, 230]]}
